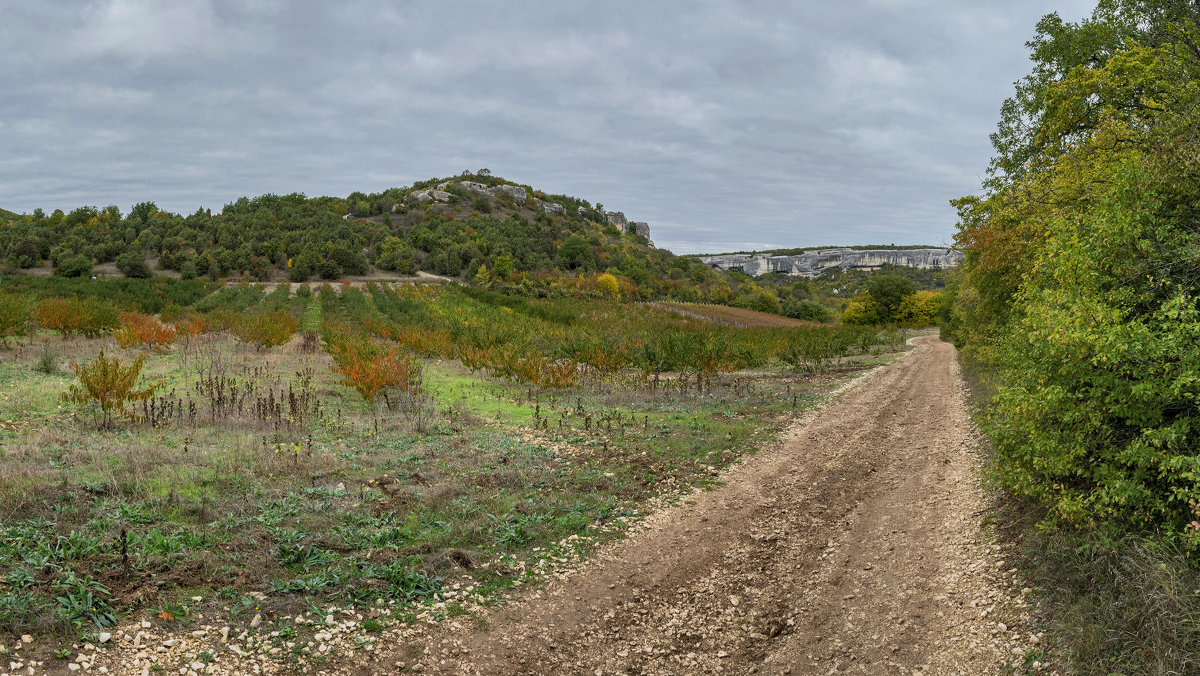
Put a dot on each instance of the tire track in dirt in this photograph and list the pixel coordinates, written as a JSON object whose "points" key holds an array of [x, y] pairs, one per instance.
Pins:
{"points": [[851, 545]]}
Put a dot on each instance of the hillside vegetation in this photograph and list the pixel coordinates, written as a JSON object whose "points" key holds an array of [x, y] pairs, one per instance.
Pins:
{"points": [[295, 237], [514, 239], [1078, 312]]}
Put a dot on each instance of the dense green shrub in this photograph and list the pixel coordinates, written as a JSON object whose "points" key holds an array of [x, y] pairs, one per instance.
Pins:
{"points": [[863, 311], [807, 310], [133, 264], [888, 292], [74, 266], [15, 315], [144, 295], [760, 300], [1080, 284]]}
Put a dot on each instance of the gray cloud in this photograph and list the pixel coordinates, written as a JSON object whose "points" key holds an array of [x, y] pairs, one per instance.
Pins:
{"points": [[725, 125]]}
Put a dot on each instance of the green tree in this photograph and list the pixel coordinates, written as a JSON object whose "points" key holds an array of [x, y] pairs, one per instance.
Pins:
{"points": [[503, 267], [188, 270], [759, 299], [1079, 284], [807, 310], [576, 254], [861, 311], [74, 266], [15, 315], [888, 291], [133, 264], [919, 308]]}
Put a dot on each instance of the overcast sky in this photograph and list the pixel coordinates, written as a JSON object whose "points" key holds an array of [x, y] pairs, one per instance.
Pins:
{"points": [[726, 125]]}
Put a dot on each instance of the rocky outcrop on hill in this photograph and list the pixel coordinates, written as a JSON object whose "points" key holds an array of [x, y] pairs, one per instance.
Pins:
{"points": [[519, 195], [618, 220], [552, 208], [431, 195], [516, 192], [813, 263], [475, 187]]}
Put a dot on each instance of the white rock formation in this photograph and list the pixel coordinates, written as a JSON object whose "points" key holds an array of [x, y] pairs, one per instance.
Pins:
{"points": [[813, 263]]}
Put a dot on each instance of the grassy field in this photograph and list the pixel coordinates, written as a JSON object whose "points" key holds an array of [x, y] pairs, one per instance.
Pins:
{"points": [[258, 482]]}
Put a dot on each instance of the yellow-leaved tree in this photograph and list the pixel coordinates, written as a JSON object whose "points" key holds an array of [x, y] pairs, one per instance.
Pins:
{"points": [[107, 384], [608, 285], [862, 310], [919, 308]]}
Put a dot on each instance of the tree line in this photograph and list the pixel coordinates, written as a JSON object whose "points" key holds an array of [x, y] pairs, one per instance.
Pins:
{"points": [[1079, 288], [543, 246]]}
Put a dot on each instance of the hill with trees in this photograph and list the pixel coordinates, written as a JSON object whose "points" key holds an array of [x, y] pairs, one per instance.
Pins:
{"points": [[474, 227]]}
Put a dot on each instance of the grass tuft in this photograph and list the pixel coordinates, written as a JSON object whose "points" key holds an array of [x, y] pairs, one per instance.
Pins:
{"points": [[47, 361]]}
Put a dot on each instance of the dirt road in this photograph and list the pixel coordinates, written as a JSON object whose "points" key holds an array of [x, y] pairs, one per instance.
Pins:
{"points": [[850, 546]]}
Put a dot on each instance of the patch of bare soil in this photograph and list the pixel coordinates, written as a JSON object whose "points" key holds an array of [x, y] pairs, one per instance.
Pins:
{"points": [[852, 545]]}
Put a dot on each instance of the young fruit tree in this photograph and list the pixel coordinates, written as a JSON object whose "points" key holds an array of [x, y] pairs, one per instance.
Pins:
{"points": [[372, 367], [105, 383]]}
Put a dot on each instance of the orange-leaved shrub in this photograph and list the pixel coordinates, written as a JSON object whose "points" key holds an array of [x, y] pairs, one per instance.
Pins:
{"points": [[534, 368], [370, 366], [70, 316], [139, 329], [193, 325]]}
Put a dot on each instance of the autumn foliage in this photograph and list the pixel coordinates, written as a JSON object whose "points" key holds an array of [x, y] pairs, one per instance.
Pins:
{"points": [[190, 327], [71, 316], [428, 342], [370, 366], [107, 384], [265, 329], [139, 329], [532, 367], [608, 286]]}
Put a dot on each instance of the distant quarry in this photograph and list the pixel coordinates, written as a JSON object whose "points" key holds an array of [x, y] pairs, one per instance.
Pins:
{"points": [[813, 263]]}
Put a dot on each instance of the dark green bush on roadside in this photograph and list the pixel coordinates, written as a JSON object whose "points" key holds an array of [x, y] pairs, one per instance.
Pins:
{"points": [[1079, 288], [1078, 299]]}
